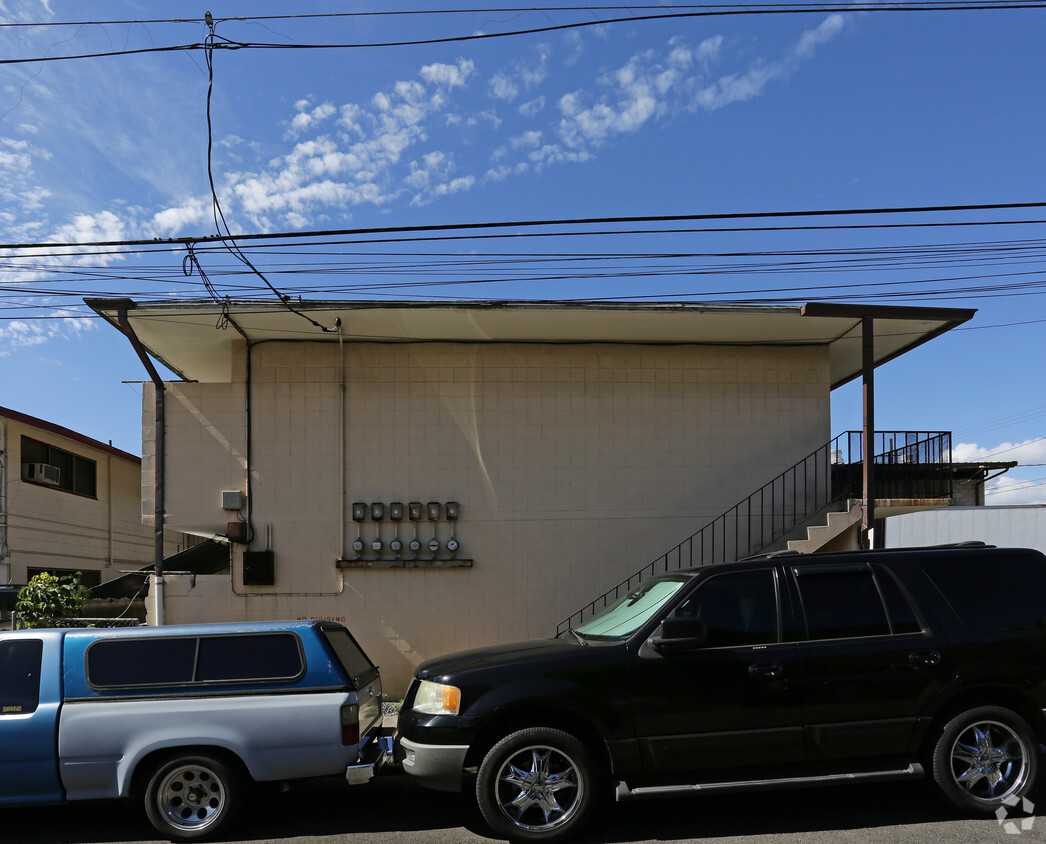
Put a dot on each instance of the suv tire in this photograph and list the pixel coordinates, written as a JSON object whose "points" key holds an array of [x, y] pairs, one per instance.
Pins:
{"points": [[537, 784], [985, 757]]}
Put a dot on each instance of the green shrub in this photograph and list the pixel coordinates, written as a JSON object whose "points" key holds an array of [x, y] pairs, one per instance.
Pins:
{"points": [[47, 596]]}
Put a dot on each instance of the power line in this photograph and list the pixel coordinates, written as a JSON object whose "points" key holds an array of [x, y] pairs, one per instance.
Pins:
{"points": [[709, 8], [679, 13], [481, 226]]}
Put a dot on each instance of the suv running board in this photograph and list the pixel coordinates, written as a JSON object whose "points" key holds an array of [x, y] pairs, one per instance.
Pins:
{"points": [[625, 792]]}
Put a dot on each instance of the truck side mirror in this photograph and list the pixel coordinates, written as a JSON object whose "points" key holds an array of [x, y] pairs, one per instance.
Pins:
{"points": [[680, 634]]}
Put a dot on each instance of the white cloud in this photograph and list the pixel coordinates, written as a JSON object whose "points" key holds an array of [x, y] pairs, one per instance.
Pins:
{"points": [[18, 335], [433, 177], [503, 171], [87, 228], [449, 75], [527, 139], [458, 185], [829, 28], [556, 154], [636, 101], [362, 157], [1013, 491], [178, 219], [1017, 486], [309, 118], [523, 77], [1028, 451], [502, 87], [532, 107], [739, 87]]}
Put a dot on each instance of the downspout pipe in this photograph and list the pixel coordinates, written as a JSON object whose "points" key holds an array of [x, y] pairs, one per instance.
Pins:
{"points": [[122, 306], [5, 464]]}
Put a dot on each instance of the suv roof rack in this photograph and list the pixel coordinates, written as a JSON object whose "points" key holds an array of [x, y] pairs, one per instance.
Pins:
{"points": [[966, 543]]}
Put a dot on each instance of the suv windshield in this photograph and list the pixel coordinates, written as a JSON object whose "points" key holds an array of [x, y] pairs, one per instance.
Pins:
{"points": [[630, 612]]}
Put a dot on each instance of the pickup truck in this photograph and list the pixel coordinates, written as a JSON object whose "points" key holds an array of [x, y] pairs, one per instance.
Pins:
{"points": [[184, 718]]}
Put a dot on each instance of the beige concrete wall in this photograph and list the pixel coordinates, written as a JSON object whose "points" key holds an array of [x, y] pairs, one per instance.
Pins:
{"points": [[54, 528], [575, 465]]}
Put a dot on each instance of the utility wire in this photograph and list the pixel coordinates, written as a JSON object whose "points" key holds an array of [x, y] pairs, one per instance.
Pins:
{"points": [[219, 215], [710, 8], [506, 224], [212, 43]]}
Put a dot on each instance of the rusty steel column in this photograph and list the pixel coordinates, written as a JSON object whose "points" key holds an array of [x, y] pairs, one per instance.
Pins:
{"points": [[868, 431]]}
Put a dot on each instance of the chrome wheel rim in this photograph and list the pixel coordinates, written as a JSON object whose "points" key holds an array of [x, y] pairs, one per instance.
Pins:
{"points": [[990, 761], [190, 797], [539, 788]]}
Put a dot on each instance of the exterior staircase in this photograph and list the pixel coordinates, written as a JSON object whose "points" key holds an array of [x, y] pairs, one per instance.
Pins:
{"points": [[838, 525], [814, 505]]}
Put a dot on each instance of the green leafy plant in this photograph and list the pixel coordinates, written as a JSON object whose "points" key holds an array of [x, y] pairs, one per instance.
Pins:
{"points": [[47, 596]]}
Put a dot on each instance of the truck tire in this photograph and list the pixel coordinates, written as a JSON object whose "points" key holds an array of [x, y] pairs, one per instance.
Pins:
{"points": [[984, 758], [537, 785], [192, 797]]}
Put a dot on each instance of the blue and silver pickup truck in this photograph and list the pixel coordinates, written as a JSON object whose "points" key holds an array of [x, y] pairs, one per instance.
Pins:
{"points": [[184, 718]]}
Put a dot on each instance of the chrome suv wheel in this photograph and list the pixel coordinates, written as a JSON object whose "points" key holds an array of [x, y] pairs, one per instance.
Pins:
{"points": [[537, 784], [985, 757]]}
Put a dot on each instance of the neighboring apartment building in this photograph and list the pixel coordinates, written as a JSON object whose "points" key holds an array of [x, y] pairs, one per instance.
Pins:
{"points": [[444, 475], [68, 503]]}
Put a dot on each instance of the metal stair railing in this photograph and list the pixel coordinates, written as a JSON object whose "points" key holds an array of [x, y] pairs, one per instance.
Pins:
{"points": [[909, 464]]}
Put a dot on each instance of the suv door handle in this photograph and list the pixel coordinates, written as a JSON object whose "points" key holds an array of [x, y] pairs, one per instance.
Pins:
{"points": [[924, 659], [765, 671]]}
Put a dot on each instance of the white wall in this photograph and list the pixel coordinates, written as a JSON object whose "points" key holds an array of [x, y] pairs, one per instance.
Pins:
{"points": [[575, 466]]}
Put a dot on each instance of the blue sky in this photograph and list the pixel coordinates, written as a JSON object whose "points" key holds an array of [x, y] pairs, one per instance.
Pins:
{"points": [[699, 115]]}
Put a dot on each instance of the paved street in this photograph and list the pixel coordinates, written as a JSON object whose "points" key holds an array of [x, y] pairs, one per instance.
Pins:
{"points": [[394, 809]]}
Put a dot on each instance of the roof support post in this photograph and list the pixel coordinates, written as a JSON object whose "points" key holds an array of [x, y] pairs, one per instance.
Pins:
{"points": [[868, 430]]}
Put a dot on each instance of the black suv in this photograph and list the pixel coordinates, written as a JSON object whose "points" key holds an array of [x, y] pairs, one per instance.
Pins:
{"points": [[785, 670]]}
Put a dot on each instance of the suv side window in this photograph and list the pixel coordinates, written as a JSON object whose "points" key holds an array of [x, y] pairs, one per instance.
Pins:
{"points": [[841, 602], [739, 608], [991, 594], [20, 676], [903, 618]]}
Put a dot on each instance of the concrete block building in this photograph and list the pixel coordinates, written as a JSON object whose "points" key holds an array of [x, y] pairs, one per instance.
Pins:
{"points": [[444, 475], [68, 503]]}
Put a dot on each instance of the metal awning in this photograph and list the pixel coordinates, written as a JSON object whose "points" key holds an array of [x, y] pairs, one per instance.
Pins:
{"points": [[196, 339], [207, 557]]}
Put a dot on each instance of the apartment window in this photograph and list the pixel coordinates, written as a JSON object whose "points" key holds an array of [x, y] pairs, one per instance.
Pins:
{"points": [[87, 577], [75, 473]]}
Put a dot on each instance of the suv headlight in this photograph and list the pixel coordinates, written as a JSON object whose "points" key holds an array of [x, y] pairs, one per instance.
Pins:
{"points": [[437, 699]]}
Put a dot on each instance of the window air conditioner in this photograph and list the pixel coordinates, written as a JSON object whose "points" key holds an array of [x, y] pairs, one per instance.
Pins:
{"points": [[41, 473]]}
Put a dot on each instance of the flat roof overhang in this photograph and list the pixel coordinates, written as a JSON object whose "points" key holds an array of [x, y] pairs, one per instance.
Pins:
{"points": [[196, 338]]}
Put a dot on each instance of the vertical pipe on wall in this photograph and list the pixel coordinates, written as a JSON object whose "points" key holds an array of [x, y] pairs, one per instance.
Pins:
{"points": [[109, 505], [122, 306], [5, 462], [342, 495]]}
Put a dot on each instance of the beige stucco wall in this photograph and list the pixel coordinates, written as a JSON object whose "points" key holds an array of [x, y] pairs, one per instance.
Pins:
{"points": [[54, 528], [575, 465]]}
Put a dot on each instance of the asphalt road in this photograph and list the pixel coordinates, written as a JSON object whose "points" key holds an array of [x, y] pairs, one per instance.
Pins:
{"points": [[395, 809]]}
